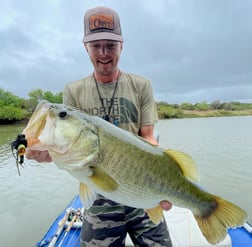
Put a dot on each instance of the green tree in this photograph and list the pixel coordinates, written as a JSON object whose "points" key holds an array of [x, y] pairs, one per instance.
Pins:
{"points": [[168, 111], [11, 107], [58, 98], [8, 98], [228, 106], [203, 106], [53, 98], [187, 106], [11, 113], [37, 95]]}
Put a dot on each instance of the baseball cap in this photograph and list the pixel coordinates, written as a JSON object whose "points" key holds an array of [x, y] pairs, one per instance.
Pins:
{"points": [[102, 23]]}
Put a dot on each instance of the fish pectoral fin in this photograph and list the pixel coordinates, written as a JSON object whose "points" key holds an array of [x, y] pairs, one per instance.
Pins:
{"points": [[102, 180], [186, 164], [156, 214], [87, 195]]}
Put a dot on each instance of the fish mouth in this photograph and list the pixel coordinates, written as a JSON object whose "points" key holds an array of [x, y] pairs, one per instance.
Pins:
{"points": [[37, 122], [40, 127]]}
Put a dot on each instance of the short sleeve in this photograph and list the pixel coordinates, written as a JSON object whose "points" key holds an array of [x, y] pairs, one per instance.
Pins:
{"points": [[149, 114]]}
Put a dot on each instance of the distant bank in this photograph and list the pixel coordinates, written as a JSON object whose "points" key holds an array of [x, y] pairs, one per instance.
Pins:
{"points": [[214, 113], [203, 109], [14, 109]]}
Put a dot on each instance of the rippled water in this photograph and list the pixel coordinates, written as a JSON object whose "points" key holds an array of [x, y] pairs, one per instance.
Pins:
{"points": [[30, 202], [221, 147]]}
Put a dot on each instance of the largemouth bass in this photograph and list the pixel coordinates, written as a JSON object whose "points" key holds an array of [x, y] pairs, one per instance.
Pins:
{"points": [[124, 168]]}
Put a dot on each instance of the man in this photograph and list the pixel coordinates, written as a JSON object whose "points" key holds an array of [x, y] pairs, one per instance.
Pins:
{"points": [[125, 100]]}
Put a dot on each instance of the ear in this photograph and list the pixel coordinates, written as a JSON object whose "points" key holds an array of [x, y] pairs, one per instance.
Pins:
{"points": [[121, 46]]}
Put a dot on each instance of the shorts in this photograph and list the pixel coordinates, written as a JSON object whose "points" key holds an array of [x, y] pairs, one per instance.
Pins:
{"points": [[107, 223]]}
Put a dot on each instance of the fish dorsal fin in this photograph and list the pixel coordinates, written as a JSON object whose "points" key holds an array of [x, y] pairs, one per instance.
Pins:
{"points": [[103, 180], [87, 195], [186, 164], [155, 214]]}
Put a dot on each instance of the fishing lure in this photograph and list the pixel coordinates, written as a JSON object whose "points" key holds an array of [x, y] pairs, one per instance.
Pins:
{"points": [[19, 145]]}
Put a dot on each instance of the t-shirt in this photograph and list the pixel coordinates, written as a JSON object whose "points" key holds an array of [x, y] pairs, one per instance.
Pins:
{"points": [[133, 104]]}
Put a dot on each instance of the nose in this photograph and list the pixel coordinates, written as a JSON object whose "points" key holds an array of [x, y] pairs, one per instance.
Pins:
{"points": [[103, 50]]}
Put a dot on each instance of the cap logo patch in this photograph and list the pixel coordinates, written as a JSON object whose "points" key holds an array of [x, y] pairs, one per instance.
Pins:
{"points": [[101, 21]]}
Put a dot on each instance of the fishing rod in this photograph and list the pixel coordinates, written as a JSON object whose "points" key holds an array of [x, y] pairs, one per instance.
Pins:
{"points": [[60, 228], [76, 215], [71, 219]]}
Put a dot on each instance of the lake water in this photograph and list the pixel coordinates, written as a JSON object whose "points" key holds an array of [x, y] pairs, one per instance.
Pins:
{"points": [[221, 147]]}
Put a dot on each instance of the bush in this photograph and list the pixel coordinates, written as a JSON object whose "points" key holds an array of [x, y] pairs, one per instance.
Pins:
{"points": [[11, 113]]}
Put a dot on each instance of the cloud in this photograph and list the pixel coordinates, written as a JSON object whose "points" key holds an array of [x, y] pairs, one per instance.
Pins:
{"points": [[191, 50]]}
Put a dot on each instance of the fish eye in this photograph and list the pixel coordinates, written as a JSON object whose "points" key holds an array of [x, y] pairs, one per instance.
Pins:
{"points": [[62, 113]]}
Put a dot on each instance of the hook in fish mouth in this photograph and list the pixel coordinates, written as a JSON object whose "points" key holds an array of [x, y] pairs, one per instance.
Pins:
{"points": [[19, 144]]}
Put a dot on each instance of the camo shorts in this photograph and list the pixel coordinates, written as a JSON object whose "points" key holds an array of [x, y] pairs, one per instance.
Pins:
{"points": [[106, 223]]}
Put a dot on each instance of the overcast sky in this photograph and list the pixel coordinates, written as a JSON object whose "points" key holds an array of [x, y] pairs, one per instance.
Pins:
{"points": [[191, 50]]}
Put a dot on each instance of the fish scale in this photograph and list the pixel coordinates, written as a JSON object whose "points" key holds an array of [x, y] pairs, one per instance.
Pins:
{"points": [[123, 167]]}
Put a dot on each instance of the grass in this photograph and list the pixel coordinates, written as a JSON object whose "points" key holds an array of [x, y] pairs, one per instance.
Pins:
{"points": [[214, 113]]}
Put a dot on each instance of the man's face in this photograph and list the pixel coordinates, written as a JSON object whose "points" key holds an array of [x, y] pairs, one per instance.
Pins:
{"points": [[104, 55]]}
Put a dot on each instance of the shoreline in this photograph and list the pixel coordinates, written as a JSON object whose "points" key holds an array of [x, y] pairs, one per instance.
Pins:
{"points": [[209, 113], [183, 114]]}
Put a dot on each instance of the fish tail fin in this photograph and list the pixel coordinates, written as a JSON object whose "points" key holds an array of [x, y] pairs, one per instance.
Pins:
{"points": [[225, 215]]}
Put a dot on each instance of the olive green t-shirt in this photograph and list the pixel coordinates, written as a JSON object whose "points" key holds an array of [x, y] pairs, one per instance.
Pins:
{"points": [[133, 104]]}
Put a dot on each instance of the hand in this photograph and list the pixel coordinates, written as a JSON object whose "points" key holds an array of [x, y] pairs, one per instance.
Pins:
{"points": [[165, 205], [39, 156]]}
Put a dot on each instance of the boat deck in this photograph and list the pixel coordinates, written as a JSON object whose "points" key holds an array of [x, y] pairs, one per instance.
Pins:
{"points": [[182, 226]]}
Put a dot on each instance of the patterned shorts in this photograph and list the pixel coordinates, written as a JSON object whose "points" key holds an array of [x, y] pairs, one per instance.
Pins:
{"points": [[106, 223]]}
